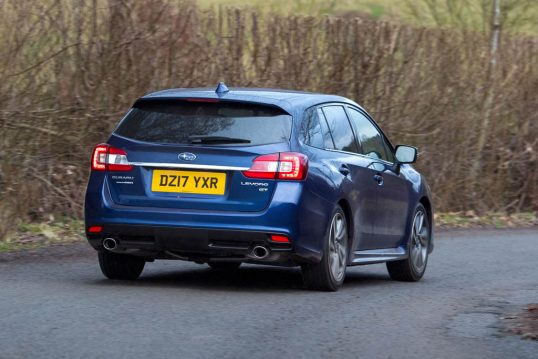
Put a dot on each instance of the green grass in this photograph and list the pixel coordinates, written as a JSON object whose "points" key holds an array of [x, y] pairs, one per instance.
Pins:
{"points": [[520, 15], [35, 235], [376, 8]]}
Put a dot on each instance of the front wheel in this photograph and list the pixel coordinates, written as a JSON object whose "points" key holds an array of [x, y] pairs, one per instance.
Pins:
{"points": [[329, 273], [120, 266], [413, 267]]}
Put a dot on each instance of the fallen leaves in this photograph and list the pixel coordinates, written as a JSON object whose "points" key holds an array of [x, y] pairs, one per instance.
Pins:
{"points": [[524, 323]]}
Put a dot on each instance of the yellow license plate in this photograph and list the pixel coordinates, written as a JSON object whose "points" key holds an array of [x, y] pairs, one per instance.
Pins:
{"points": [[188, 182]]}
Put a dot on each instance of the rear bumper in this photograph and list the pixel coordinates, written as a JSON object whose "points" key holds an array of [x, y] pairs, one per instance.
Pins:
{"points": [[196, 244], [204, 235]]}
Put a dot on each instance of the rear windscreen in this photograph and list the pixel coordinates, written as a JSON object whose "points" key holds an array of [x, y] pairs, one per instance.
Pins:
{"points": [[219, 123]]}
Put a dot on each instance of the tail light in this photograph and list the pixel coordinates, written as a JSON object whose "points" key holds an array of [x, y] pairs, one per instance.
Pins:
{"points": [[99, 157], [106, 157], [117, 160], [264, 166], [284, 165], [293, 166]]}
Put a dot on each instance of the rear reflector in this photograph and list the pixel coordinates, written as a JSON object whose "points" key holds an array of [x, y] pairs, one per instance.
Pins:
{"points": [[106, 157], [279, 238], [95, 229], [284, 165]]}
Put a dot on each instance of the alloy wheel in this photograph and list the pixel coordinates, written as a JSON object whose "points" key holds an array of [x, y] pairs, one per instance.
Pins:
{"points": [[338, 247], [419, 242]]}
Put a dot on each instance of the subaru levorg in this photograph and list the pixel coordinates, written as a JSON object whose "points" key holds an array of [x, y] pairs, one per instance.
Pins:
{"points": [[262, 176]]}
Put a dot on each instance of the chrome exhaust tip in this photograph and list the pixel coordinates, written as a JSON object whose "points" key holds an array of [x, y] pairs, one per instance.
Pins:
{"points": [[110, 244], [260, 252]]}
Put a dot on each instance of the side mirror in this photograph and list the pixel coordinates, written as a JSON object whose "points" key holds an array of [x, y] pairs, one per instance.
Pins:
{"points": [[406, 154]]}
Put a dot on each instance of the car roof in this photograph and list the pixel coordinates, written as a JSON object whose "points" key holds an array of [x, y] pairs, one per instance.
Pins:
{"points": [[293, 102]]}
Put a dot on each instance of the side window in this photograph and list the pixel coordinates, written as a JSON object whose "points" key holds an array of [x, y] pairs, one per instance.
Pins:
{"points": [[340, 128], [370, 138], [327, 138], [314, 131], [311, 132]]}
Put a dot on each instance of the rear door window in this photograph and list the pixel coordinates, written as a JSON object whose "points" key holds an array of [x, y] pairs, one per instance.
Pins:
{"points": [[182, 122], [370, 139], [341, 131]]}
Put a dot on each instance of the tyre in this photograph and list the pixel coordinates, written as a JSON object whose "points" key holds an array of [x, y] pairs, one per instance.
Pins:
{"points": [[329, 273], [224, 266], [120, 266], [413, 267]]}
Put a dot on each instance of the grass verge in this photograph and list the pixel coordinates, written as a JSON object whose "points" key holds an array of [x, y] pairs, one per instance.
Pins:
{"points": [[36, 235], [469, 219]]}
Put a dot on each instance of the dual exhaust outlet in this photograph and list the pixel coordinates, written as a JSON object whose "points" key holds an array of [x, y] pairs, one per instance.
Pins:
{"points": [[257, 252]]}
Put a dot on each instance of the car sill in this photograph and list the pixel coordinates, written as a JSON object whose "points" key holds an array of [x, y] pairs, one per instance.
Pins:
{"points": [[378, 255]]}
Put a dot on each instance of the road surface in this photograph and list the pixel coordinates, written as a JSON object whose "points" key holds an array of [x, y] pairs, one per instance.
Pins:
{"points": [[54, 303]]}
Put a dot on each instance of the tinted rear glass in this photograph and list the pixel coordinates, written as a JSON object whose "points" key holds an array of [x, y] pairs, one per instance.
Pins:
{"points": [[179, 122], [314, 130]]}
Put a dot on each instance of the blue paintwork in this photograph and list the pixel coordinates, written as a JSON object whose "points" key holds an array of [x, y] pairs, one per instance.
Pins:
{"points": [[380, 215]]}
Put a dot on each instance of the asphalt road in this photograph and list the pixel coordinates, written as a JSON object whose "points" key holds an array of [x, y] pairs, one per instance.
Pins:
{"points": [[54, 303]]}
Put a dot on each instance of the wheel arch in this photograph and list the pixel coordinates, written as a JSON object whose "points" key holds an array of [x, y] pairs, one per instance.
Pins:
{"points": [[428, 206]]}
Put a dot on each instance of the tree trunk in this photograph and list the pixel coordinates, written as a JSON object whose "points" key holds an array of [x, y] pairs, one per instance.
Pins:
{"points": [[476, 166]]}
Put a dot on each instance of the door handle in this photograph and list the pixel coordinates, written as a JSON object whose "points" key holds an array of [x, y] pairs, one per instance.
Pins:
{"points": [[378, 179], [344, 169]]}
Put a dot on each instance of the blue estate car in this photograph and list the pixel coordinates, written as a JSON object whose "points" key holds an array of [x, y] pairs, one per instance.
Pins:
{"points": [[260, 176]]}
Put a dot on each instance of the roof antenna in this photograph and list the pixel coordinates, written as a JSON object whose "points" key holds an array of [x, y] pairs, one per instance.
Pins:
{"points": [[221, 88]]}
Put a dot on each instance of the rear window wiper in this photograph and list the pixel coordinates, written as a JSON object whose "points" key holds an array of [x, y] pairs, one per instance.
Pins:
{"points": [[216, 139]]}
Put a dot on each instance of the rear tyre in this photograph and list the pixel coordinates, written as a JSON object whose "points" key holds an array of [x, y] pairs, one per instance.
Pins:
{"points": [[120, 266], [412, 269], [224, 266], [329, 273]]}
